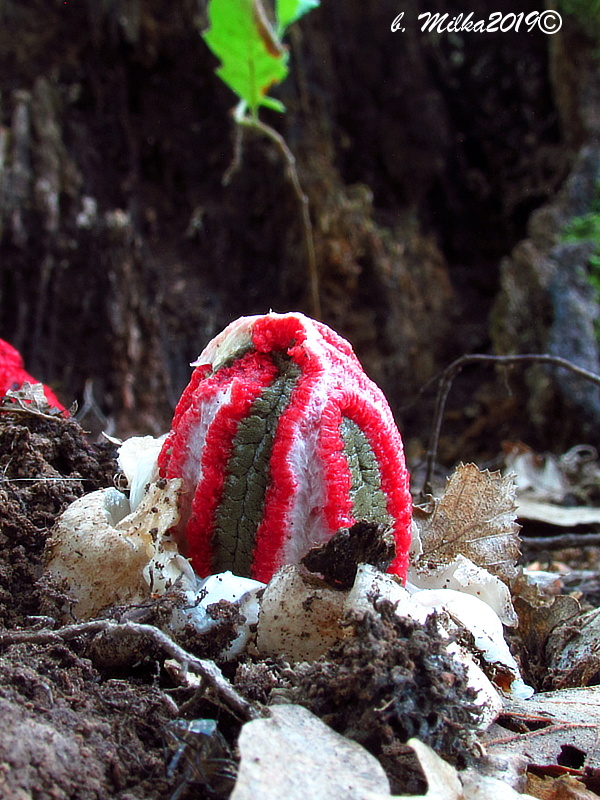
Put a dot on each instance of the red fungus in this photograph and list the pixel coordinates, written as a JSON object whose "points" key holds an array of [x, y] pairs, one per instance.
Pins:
{"points": [[281, 439], [13, 374]]}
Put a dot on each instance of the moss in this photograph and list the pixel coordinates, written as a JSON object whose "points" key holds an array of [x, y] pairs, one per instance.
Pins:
{"points": [[586, 13], [586, 228]]}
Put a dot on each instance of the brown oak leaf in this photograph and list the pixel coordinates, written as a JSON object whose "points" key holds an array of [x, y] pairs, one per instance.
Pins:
{"points": [[475, 518]]}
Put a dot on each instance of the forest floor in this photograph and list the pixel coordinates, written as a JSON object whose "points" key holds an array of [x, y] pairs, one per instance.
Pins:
{"points": [[88, 716]]}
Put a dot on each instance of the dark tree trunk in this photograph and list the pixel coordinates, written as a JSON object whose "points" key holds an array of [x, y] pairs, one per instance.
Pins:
{"points": [[122, 251]]}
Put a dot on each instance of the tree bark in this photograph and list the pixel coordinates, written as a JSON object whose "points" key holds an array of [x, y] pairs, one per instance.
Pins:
{"points": [[122, 252]]}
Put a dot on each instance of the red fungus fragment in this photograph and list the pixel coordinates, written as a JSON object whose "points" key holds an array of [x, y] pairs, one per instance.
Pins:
{"points": [[281, 439], [13, 374]]}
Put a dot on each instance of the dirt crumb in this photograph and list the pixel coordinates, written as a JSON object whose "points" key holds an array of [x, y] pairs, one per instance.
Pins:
{"points": [[338, 559]]}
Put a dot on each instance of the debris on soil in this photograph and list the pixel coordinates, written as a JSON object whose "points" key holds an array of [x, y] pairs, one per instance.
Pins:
{"points": [[393, 680], [132, 705], [207, 758], [338, 559], [388, 681], [46, 463]]}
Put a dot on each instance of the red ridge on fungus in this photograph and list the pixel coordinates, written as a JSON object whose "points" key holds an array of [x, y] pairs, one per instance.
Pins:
{"points": [[394, 483], [244, 381], [338, 507]]}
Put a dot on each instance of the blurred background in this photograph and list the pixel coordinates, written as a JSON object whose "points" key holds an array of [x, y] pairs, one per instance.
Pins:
{"points": [[443, 170]]}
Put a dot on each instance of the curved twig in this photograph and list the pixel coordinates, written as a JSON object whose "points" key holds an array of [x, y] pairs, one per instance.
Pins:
{"points": [[207, 669], [450, 373]]}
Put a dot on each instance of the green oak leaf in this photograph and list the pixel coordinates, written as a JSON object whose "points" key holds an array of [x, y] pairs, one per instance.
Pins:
{"points": [[251, 54], [288, 11]]}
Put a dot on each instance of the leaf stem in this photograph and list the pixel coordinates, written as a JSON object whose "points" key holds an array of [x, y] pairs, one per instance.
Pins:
{"points": [[292, 174]]}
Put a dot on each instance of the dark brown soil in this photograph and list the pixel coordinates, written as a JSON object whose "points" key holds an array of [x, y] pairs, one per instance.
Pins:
{"points": [[46, 463], [68, 730], [78, 721], [89, 717]]}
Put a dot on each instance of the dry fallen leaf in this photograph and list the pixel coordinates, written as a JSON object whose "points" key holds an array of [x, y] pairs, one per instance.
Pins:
{"points": [[547, 479], [30, 397], [540, 476], [564, 788], [475, 518], [293, 754], [574, 653], [544, 628], [563, 516]]}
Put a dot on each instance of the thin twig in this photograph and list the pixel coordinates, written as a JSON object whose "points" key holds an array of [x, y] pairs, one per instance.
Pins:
{"points": [[38, 480], [520, 737], [209, 671], [450, 373], [292, 173], [562, 541], [236, 161]]}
